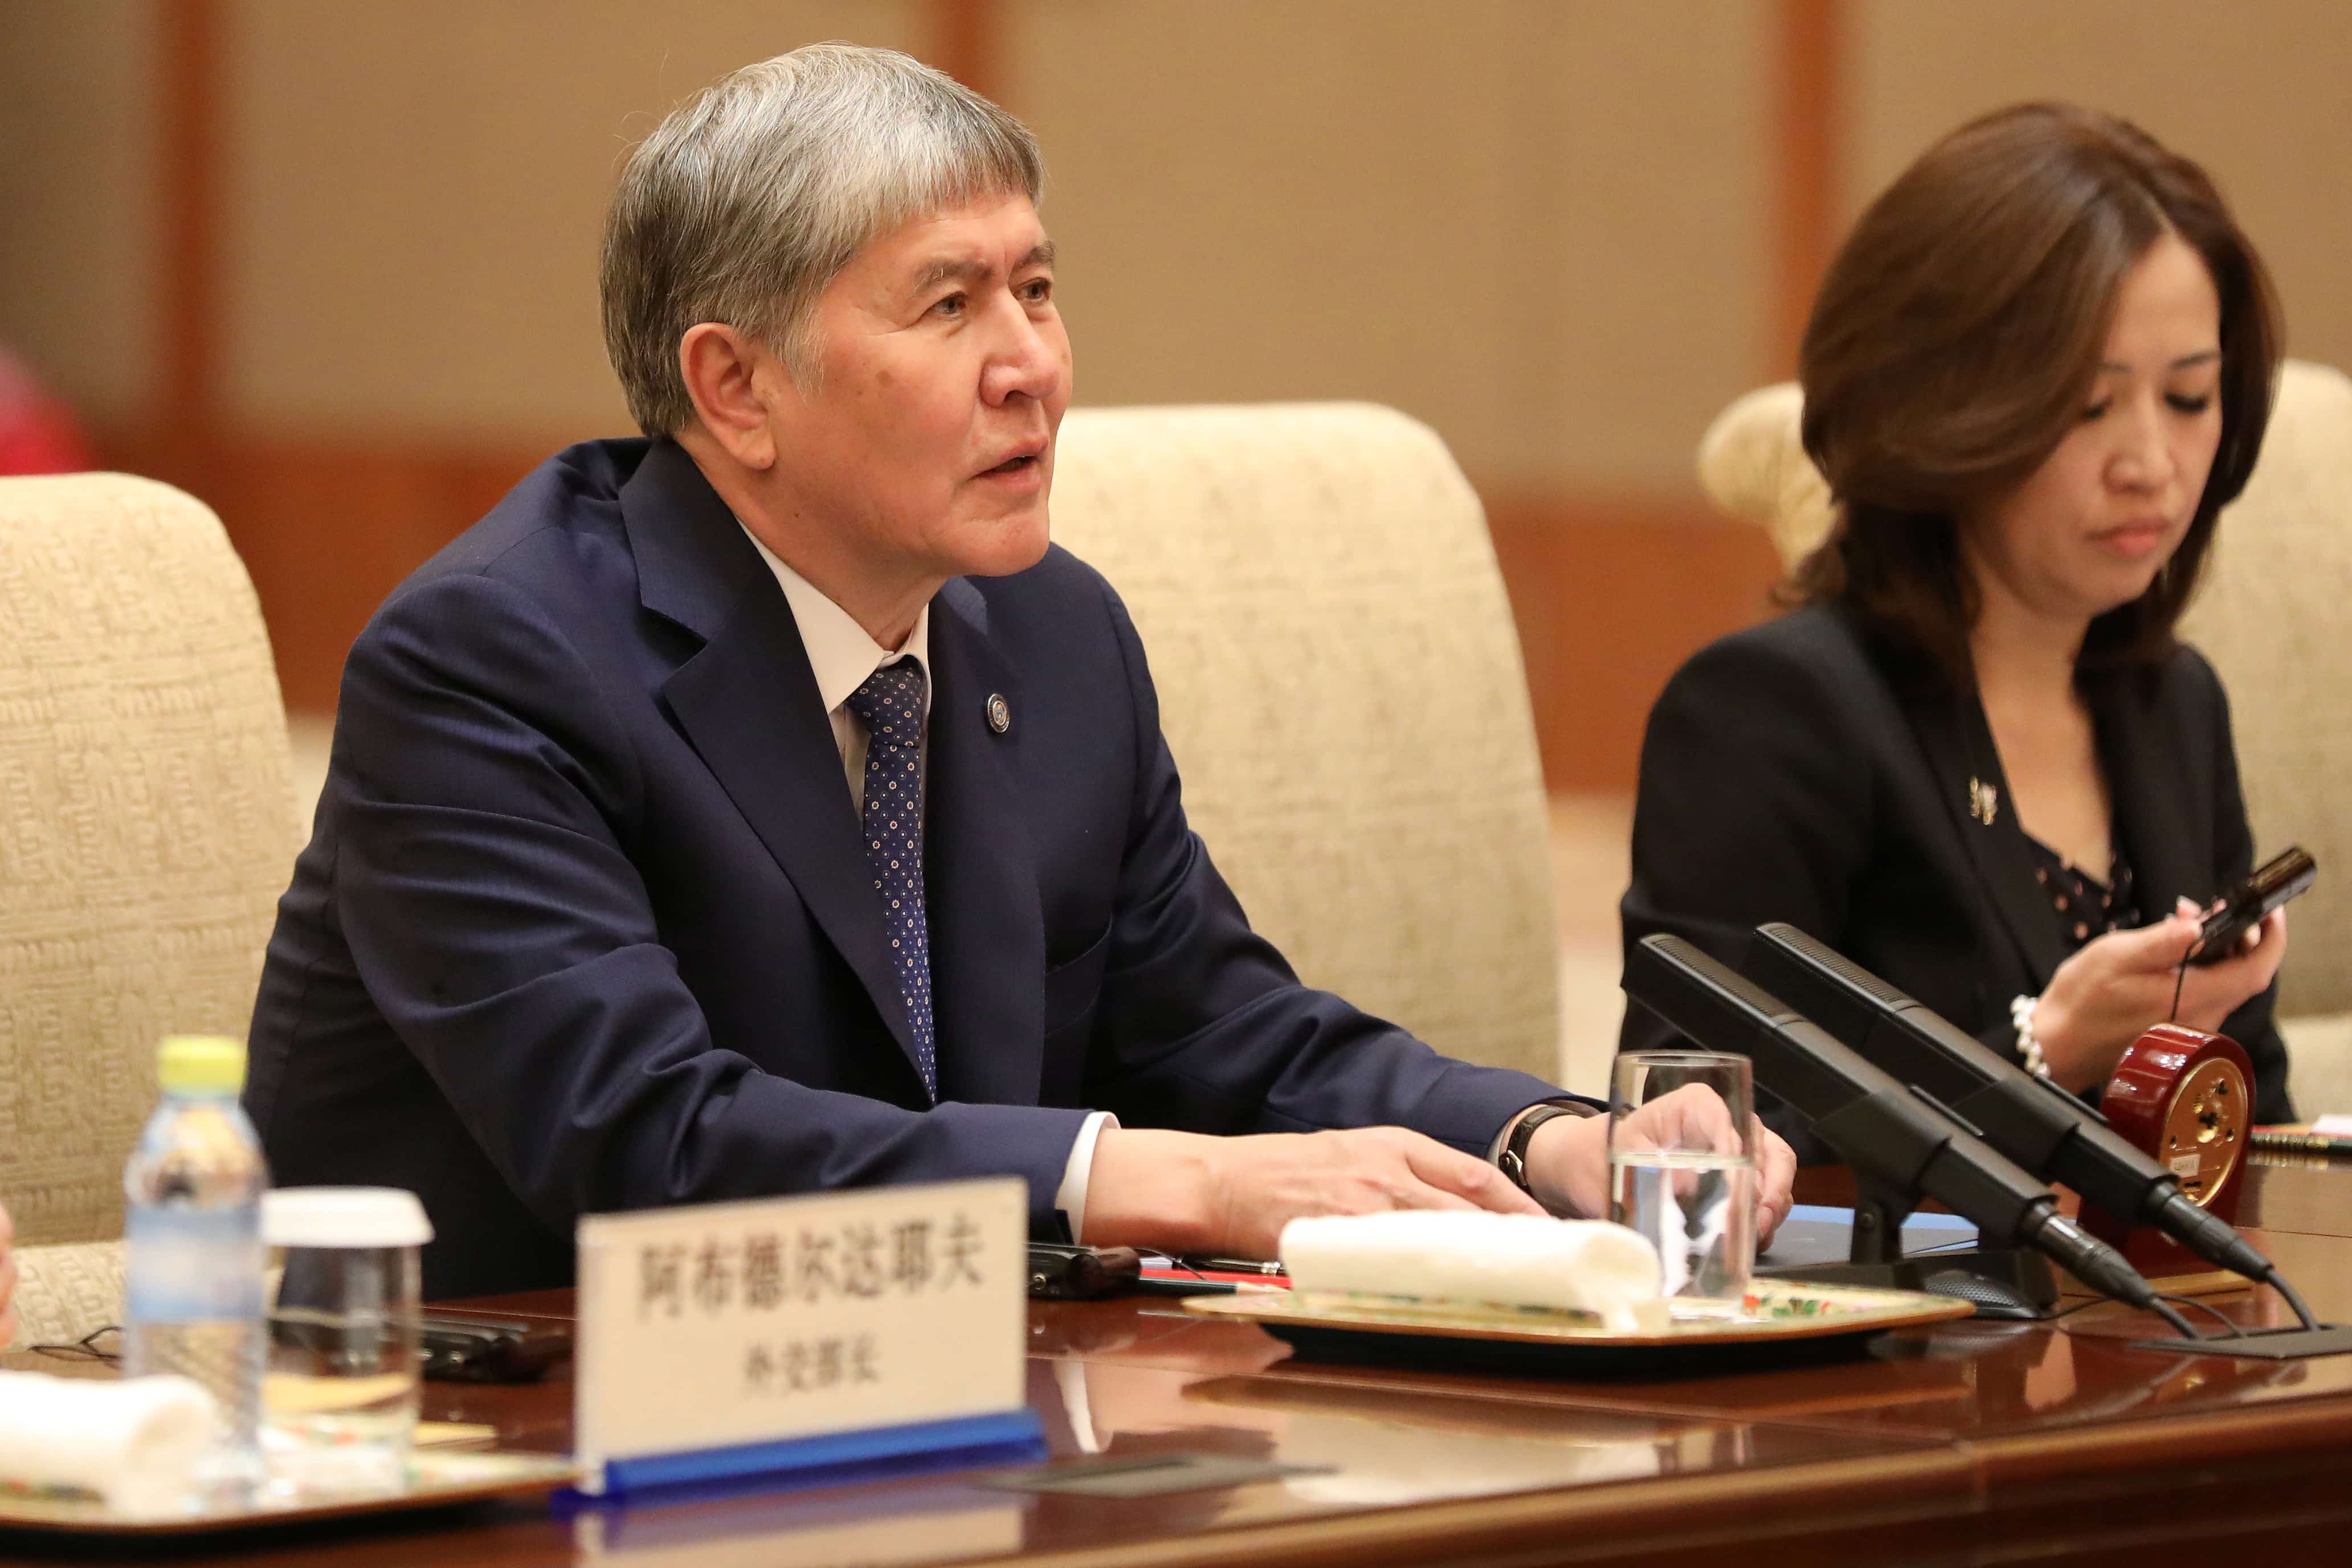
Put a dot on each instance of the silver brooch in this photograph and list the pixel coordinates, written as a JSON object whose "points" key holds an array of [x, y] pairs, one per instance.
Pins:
{"points": [[1984, 800]]}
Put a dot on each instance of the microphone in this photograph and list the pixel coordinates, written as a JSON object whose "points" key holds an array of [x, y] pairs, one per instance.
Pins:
{"points": [[1885, 1131], [2031, 1120]]}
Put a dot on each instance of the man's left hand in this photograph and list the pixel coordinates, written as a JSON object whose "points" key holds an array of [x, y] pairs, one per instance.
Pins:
{"points": [[1568, 1158]]}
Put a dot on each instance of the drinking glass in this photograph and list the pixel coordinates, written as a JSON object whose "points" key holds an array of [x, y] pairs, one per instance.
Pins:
{"points": [[1691, 1191], [339, 1397]]}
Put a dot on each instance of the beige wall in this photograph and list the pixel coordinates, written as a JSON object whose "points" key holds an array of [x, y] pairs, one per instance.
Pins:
{"points": [[1537, 225], [1542, 226], [2256, 92], [418, 190], [77, 259]]}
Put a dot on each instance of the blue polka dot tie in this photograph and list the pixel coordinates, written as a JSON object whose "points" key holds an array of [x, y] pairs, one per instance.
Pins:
{"points": [[892, 704]]}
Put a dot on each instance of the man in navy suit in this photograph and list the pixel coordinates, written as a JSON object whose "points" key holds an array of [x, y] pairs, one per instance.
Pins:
{"points": [[764, 806]]}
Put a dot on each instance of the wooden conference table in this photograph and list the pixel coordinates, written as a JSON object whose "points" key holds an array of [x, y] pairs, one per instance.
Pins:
{"points": [[1969, 1443]]}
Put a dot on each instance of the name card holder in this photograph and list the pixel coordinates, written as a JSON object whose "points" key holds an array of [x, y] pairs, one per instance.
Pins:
{"points": [[794, 1341]]}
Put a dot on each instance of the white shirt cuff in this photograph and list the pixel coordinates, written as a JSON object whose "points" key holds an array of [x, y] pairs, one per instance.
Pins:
{"points": [[1070, 1197]]}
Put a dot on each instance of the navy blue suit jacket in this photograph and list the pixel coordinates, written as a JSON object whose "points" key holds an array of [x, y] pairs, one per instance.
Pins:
{"points": [[585, 923]]}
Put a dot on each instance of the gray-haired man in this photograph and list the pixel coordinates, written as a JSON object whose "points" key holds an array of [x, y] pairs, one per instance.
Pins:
{"points": [[764, 806]]}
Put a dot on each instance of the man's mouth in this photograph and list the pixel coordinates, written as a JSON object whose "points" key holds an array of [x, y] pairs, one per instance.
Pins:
{"points": [[1017, 463]]}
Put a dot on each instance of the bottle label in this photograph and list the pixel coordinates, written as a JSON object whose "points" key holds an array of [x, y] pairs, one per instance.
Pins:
{"points": [[184, 1266]]}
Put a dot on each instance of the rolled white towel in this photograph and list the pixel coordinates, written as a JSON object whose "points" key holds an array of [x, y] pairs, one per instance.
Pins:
{"points": [[1502, 1259], [135, 1441]]}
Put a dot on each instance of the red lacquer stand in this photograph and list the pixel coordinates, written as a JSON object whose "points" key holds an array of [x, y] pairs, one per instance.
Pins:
{"points": [[2186, 1098]]}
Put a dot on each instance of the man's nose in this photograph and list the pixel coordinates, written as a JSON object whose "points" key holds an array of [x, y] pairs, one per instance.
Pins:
{"points": [[1025, 363]]}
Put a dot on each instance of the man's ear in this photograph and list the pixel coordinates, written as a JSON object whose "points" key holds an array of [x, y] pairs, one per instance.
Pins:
{"points": [[720, 367]]}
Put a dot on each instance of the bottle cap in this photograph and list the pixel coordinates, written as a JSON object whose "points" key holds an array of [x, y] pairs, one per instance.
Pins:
{"points": [[343, 1216], [200, 1064]]}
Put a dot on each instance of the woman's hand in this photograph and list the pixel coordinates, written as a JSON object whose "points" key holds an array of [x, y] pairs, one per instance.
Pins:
{"points": [[2105, 996]]}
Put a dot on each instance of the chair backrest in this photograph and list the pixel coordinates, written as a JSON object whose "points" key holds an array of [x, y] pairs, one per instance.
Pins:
{"points": [[147, 821], [1340, 682], [2275, 616], [2271, 616]]}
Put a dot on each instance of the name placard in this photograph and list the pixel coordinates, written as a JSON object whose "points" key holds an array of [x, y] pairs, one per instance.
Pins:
{"points": [[738, 1339]]}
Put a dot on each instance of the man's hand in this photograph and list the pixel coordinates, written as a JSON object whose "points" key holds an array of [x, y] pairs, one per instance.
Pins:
{"points": [[1178, 1192], [8, 1281], [1568, 1158]]}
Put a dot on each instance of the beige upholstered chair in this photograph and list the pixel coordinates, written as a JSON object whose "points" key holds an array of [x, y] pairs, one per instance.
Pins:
{"points": [[2272, 618], [147, 826], [1340, 682]]}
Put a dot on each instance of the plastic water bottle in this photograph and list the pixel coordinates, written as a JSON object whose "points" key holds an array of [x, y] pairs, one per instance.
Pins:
{"points": [[193, 1260]]}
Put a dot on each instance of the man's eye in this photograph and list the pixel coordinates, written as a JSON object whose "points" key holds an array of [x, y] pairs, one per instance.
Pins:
{"points": [[2191, 404], [952, 305], [1037, 290]]}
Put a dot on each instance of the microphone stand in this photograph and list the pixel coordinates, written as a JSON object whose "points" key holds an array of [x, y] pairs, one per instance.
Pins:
{"points": [[2000, 1278]]}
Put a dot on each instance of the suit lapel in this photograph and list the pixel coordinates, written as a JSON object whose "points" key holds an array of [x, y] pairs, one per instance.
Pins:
{"points": [[748, 702], [1962, 762], [2156, 824], [980, 872]]}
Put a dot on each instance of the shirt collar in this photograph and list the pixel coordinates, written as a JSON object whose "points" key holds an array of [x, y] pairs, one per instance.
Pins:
{"points": [[839, 652]]}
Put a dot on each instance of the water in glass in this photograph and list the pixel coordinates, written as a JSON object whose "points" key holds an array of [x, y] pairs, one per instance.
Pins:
{"points": [[1700, 1211]]}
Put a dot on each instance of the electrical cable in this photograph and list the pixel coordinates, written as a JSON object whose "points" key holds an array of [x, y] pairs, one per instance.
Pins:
{"points": [[2231, 1328], [2277, 1281], [2271, 1276], [2181, 977], [2180, 1325]]}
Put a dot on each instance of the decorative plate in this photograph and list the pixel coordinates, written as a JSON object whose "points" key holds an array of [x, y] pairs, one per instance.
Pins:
{"points": [[1791, 1321]]}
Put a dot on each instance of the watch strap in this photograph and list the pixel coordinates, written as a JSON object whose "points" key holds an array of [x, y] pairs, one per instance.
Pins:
{"points": [[1512, 1161]]}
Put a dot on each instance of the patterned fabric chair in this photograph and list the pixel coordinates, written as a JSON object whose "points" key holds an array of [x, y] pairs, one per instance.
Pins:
{"points": [[1341, 681], [147, 826], [2271, 617]]}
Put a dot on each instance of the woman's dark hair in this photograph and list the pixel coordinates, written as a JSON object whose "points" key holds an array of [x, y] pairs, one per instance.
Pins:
{"points": [[1956, 339]]}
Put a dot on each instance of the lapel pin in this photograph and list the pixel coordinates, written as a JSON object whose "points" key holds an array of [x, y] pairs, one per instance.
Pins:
{"points": [[1984, 800], [1000, 712]]}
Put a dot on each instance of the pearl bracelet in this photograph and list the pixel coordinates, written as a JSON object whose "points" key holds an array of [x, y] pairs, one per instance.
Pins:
{"points": [[2021, 1015]]}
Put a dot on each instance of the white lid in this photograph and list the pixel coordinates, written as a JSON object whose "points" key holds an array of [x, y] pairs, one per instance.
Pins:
{"points": [[343, 1216]]}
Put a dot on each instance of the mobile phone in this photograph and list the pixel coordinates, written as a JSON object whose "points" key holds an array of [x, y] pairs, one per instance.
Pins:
{"points": [[1058, 1273], [2273, 883], [459, 1347]]}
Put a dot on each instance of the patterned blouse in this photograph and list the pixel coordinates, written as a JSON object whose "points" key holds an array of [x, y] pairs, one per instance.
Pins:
{"points": [[2082, 906]]}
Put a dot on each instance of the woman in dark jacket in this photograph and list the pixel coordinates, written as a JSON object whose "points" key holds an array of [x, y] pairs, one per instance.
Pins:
{"points": [[1975, 759]]}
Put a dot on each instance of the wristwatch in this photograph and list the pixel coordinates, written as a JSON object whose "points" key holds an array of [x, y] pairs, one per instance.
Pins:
{"points": [[1512, 1158]]}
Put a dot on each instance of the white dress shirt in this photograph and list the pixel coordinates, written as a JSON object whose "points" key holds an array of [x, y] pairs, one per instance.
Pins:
{"points": [[841, 656]]}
